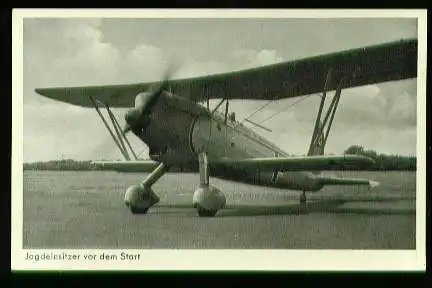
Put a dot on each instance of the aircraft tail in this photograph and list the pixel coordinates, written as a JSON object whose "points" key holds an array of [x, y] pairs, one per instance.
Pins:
{"points": [[317, 149]]}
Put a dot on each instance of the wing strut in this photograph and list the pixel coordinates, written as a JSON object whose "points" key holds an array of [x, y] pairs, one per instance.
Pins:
{"points": [[120, 135], [218, 105], [319, 137], [226, 111], [120, 132]]}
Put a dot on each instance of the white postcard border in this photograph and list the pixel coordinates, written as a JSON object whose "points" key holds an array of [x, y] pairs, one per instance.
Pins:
{"points": [[191, 259]]}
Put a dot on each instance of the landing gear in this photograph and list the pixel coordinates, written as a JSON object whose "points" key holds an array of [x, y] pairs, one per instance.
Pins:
{"points": [[303, 203], [207, 199], [303, 198], [139, 198]]}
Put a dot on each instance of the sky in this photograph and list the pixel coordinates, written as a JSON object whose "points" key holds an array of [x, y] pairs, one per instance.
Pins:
{"points": [[87, 51]]}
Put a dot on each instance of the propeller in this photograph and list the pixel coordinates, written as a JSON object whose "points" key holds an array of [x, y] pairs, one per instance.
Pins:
{"points": [[139, 116]]}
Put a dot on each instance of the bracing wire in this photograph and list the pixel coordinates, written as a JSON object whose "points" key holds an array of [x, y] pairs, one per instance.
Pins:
{"points": [[271, 101], [285, 109], [256, 111]]}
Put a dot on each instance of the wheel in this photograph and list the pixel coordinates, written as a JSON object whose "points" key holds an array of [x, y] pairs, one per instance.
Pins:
{"points": [[138, 210], [140, 199], [208, 200], [206, 213]]}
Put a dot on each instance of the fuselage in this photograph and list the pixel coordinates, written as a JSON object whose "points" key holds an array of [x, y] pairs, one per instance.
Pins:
{"points": [[180, 129]]}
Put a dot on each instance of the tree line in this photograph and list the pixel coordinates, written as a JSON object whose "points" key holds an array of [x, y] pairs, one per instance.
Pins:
{"points": [[383, 162], [65, 164]]}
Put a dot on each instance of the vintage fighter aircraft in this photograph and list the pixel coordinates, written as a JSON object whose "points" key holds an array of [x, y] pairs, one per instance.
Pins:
{"points": [[181, 132]]}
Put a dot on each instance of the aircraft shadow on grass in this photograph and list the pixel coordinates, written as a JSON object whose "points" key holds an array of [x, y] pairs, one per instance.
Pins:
{"points": [[320, 206]]}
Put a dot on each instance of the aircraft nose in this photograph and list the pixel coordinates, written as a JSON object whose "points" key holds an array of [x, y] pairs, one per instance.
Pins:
{"points": [[132, 117]]}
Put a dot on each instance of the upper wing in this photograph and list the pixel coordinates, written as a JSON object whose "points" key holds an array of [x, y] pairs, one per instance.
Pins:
{"points": [[362, 66], [304, 163]]}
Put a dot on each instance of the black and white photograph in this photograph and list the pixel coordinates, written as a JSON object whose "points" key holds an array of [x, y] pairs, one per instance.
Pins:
{"points": [[219, 139]]}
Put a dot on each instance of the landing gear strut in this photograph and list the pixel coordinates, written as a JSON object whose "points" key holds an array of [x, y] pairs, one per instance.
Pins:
{"points": [[139, 198], [207, 199], [303, 198]]}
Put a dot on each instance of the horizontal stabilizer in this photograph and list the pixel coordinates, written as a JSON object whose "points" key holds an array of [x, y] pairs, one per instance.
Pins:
{"points": [[127, 166], [347, 181], [304, 163]]}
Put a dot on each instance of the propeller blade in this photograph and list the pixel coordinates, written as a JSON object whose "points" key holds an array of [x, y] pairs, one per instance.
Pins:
{"points": [[157, 92], [139, 115]]}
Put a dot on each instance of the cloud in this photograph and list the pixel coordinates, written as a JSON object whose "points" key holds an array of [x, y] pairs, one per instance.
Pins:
{"points": [[95, 57], [68, 51], [200, 69], [78, 55], [145, 63], [403, 110], [379, 106], [249, 58]]}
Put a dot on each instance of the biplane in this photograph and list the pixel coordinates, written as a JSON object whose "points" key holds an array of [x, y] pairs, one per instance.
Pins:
{"points": [[180, 130]]}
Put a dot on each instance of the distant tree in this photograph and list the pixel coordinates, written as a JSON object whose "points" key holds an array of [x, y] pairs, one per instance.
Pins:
{"points": [[369, 153], [354, 150], [383, 161]]}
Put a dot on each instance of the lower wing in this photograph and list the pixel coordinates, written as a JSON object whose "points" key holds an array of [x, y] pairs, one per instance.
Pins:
{"points": [[127, 166], [307, 163], [270, 164], [302, 163]]}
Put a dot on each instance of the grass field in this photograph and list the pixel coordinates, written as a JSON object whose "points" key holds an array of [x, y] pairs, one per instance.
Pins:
{"points": [[86, 210]]}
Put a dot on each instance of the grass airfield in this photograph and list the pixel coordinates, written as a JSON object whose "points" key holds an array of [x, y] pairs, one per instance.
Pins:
{"points": [[69, 210]]}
